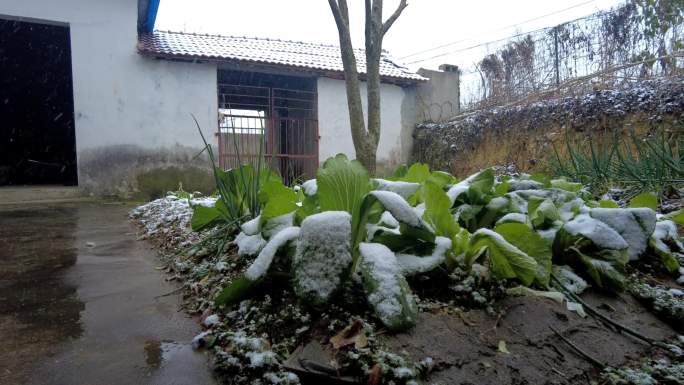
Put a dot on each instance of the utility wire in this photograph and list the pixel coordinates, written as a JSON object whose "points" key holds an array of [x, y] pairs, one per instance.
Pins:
{"points": [[499, 29]]}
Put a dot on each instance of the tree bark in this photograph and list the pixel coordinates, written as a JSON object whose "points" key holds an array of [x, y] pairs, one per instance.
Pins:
{"points": [[365, 137]]}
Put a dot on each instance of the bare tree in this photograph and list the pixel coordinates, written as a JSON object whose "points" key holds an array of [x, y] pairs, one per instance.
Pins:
{"points": [[365, 137]]}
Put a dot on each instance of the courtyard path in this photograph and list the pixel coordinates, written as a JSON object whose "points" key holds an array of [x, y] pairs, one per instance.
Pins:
{"points": [[81, 302]]}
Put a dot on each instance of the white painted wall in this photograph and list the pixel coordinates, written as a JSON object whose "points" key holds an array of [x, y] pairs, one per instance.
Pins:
{"points": [[121, 97], [397, 120]]}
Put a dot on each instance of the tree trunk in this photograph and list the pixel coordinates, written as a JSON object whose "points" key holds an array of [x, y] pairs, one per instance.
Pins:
{"points": [[365, 137]]}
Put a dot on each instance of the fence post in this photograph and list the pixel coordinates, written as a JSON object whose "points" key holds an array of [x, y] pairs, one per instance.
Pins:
{"points": [[555, 54]]}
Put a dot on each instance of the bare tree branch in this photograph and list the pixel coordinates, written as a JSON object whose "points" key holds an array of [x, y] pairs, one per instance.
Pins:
{"points": [[368, 21], [387, 24], [341, 21]]}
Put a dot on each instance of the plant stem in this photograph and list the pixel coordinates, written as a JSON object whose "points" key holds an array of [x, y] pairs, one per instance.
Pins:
{"points": [[579, 351], [605, 319]]}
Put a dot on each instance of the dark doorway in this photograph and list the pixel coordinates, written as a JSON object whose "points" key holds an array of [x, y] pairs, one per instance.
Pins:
{"points": [[37, 139]]}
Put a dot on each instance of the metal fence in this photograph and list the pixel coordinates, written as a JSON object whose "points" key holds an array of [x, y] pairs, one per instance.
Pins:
{"points": [[636, 41], [266, 125]]}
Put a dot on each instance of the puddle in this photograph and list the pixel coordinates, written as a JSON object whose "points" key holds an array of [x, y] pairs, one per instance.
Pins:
{"points": [[159, 352]]}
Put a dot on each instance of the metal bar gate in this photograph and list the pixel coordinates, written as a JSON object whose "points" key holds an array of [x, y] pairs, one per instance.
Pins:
{"points": [[277, 124]]}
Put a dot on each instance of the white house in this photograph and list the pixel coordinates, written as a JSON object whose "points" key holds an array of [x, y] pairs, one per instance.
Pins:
{"points": [[91, 95]]}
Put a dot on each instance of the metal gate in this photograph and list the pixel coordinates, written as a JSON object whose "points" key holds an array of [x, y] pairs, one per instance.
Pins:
{"points": [[278, 125]]}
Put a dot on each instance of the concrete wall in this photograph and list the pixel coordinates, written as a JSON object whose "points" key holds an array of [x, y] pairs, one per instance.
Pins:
{"points": [[397, 116], [439, 98], [132, 114]]}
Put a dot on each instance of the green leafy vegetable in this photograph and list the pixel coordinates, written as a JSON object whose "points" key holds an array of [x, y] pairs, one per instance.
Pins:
{"points": [[542, 212], [564, 184], [418, 173], [437, 210], [342, 184], [646, 199], [506, 260], [481, 187], [608, 204], [532, 244], [279, 200]]}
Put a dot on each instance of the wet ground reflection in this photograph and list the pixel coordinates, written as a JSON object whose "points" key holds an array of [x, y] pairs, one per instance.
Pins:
{"points": [[81, 302], [37, 306]]}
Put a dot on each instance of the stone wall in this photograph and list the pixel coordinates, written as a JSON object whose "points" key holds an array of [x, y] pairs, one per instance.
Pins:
{"points": [[525, 135]]}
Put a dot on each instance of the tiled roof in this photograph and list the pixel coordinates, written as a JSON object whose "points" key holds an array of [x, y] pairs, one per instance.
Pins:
{"points": [[295, 54]]}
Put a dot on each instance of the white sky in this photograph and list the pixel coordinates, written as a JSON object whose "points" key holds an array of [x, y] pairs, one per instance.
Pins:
{"points": [[424, 24]]}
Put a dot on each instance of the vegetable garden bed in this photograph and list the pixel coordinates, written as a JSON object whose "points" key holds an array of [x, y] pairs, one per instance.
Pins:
{"points": [[423, 278]]}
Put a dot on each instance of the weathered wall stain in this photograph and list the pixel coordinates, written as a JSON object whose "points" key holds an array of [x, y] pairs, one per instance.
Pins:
{"points": [[131, 171]]}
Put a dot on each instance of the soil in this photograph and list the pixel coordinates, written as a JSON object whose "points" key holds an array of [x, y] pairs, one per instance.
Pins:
{"points": [[465, 349], [510, 341]]}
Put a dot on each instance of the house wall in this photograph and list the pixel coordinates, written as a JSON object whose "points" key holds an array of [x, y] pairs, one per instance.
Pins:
{"points": [[132, 114], [397, 114]]}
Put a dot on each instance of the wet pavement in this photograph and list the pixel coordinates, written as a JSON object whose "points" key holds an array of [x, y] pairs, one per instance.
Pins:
{"points": [[81, 302]]}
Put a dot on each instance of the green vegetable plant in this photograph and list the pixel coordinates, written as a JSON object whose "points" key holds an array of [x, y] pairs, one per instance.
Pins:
{"points": [[345, 224]]}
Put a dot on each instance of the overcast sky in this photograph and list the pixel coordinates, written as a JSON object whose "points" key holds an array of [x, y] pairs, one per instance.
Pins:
{"points": [[424, 24]]}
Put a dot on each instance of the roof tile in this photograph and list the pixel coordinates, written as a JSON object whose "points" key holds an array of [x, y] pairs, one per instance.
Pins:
{"points": [[269, 51]]}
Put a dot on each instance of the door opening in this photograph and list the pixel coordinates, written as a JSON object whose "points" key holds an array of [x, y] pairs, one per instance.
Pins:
{"points": [[37, 138], [272, 116]]}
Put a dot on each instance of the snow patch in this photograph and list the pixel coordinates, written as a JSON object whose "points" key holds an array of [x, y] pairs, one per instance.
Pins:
{"points": [[399, 208], [275, 225], [598, 232], [386, 288], [310, 187], [261, 264], [251, 227], [249, 244], [411, 264], [405, 189], [635, 225], [322, 256]]}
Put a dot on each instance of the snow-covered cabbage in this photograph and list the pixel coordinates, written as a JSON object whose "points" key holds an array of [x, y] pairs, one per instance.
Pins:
{"points": [[263, 261], [505, 259], [514, 218], [275, 225], [413, 264], [634, 225], [667, 243], [252, 226], [323, 256], [405, 189], [398, 207], [594, 247], [386, 288], [542, 212]]}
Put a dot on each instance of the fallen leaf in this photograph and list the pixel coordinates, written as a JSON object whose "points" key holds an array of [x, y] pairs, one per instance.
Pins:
{"points": [[374, 376], [361, 341], [577, 308], [352, 334], [503, 348]]}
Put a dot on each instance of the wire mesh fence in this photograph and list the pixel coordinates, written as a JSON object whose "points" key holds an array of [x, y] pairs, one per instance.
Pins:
{"points": [[639, 40]]}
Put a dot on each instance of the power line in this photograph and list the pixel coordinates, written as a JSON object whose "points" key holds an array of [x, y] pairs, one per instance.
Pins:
{"points": [[594, 15], [499, 29]]}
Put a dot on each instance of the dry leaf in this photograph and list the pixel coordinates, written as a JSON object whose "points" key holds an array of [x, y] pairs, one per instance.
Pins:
{"points": [[503, 348], [361, 340], [352, 334], [374, 376]]}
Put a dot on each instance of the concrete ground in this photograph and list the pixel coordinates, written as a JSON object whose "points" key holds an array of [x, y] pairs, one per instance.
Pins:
{"points": [[81, 302]]}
